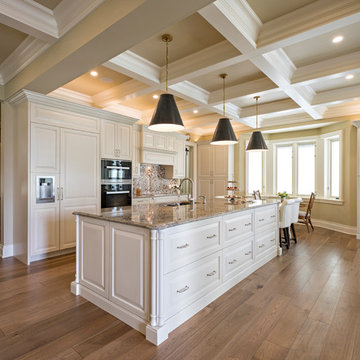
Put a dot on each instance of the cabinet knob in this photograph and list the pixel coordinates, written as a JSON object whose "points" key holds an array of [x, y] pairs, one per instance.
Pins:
{"points": [[212, 273], [183, 289]]}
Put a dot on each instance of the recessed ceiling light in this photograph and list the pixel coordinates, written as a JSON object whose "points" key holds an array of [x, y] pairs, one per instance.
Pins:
{"points": [[349, 76], [195, 111], [94, 73], [337, 39], [155, 96]]}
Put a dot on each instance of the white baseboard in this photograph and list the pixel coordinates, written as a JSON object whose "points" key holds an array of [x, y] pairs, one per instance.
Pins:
{"points": [[6, 251], [346, 229]]}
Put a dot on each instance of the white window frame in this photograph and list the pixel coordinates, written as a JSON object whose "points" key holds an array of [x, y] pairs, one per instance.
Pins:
{"points": [[263, 172], [328, 138]]}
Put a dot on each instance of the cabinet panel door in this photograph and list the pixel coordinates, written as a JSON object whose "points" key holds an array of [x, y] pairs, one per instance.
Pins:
{"points": [[160, 142], [80, 180], [205, 188], [170, 143], [94, 255], [45, 143], [148, 140], [124, 141], [220, 161], [108, 139], [219, 187], [129, 269], [204, 160], [180, 159]]}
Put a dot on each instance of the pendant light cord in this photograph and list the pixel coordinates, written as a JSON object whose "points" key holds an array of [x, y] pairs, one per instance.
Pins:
{"points": [[224, 96], [167, 65], [257, 109]]}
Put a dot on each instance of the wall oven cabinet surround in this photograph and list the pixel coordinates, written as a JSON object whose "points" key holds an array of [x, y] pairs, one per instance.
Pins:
{"points": [[115, 171], [175, 269], [116, 140]]}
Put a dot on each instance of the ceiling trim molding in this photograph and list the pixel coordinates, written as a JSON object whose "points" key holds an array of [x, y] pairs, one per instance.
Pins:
{"points": [[191, 92], [336, 96], [73, 96], [30, 18], [21, 57]]}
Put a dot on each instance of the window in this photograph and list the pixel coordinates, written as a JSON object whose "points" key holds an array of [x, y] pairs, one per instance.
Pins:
{"points": [[254, 171], [284, 170], [306, 168], [332, 166]]}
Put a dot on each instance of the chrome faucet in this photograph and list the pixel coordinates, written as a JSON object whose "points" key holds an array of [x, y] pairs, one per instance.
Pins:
{"points": [[192, 199]]}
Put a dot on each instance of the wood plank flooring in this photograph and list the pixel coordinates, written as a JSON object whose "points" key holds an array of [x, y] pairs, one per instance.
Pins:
{"points": [[303, 305]]}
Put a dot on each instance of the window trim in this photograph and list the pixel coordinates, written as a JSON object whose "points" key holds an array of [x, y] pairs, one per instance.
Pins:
{"points": [[263, 172]]}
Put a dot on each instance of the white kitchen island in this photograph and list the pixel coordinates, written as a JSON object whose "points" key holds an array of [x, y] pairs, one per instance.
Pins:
{"points": [[155, 266]]}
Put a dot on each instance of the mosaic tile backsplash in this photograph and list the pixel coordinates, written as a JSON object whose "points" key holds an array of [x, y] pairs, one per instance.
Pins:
{"points": [[152, 180]]}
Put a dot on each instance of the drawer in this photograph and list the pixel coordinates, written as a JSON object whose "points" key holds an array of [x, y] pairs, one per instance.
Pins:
{"points": [[238, 226], [169, 199], [190, 243], [265, 216], [236, 258], [140, 201], [265, 242], [184, 286]]}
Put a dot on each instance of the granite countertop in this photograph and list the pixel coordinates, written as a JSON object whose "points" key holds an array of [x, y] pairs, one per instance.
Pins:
{"points": [[145, 196], [158, 216]]}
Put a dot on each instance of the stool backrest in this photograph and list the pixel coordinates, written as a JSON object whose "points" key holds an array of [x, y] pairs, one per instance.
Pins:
{"points": [[286, 210], [295, 210]]}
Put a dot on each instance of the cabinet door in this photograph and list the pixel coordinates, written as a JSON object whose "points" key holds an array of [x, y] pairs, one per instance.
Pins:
{"points": [[219, 165], [108, 139], [80, 180], [94, 255], [205, 187], [204, 160], [219, 187], [44, 223], [45, 144], [136, 154], [170, 143], [160, 142], [124, 141], [148, 140], [129, 268], [180, 159]]}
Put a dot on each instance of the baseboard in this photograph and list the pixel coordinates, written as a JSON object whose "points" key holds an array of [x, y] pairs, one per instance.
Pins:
{"points": [[346, 229], [6, 251]]}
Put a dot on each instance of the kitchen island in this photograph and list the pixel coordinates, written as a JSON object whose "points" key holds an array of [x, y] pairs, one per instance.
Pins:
{"points": [[155, 266]]}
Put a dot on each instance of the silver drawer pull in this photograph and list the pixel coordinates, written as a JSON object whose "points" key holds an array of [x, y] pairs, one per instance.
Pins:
{"points": [[248, 253], [248, 224], [183, 246], [261, 246], [183, 289], [232, 262], [211, 236], [232, 229], [272, 240], [272, 216], [212, 273], [261, 219], [117, 192]]}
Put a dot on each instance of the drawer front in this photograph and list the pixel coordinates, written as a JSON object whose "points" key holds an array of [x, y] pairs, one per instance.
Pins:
{"points": [[141, 201], [237, 257], [190, 244], [265, 242], [265, 216], [184, 286], [238, 226]]}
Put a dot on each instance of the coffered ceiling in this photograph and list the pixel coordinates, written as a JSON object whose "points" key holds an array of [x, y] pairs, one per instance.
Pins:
{"points": [[280, 50]]}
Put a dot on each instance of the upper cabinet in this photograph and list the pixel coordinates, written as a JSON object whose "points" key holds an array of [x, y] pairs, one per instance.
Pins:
{"points": [[116, 140]]}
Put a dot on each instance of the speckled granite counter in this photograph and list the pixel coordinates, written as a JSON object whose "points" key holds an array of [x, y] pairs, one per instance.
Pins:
{"points": [[159, 216]]}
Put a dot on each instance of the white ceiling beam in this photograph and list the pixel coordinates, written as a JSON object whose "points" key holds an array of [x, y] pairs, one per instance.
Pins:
{"points": [[224, 15], [345, 94], [30, 18], [258, 86], [213, 58], [327, 69], [125, 91], [309, 21]]}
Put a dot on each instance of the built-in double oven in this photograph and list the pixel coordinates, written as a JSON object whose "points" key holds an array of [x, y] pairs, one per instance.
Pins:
{"points": [[116, 186]]}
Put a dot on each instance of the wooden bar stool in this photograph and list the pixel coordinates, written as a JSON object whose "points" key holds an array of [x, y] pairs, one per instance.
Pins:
{"points": [[295, 217]]}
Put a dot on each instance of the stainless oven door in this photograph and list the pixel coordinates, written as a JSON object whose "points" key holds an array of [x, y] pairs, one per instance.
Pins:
{"points": [[115, 195], [115, 170]]}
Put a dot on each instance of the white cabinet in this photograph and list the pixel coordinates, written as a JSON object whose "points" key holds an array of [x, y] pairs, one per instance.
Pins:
{"points": [[116, 140], [136, 153], [212, 170], [74, 161], [179, 167]]}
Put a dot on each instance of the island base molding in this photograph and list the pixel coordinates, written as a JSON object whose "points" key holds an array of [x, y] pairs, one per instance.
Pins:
{"points": [[158, 334]]}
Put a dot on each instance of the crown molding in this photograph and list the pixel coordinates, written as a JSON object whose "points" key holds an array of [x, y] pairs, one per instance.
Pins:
{"points": [[73, 96], [40, 99]]}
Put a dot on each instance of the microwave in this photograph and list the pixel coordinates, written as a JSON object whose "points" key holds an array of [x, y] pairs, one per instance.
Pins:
{"points": [[115, 171]]}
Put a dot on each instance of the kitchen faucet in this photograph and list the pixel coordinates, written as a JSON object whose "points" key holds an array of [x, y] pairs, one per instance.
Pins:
{"points": [[192, 199]]}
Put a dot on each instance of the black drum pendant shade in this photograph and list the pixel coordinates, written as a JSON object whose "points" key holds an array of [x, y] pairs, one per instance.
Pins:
{"points": [[166, 116], [256, 142], [224, 133]]}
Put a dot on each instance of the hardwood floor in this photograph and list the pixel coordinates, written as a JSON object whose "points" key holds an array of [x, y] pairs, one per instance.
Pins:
{"points": [[303, 305]]}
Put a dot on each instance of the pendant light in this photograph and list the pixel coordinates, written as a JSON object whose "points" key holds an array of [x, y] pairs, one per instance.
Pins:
{"points": [[224, 133], [166, 116], [256, 142]]}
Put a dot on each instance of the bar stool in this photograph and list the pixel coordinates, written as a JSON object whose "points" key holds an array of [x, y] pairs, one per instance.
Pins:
{"points": [[286, 211], [295, 216]]}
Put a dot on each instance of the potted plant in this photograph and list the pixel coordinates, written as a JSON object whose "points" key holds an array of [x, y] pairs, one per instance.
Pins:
{"points": [[283, 195]]}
